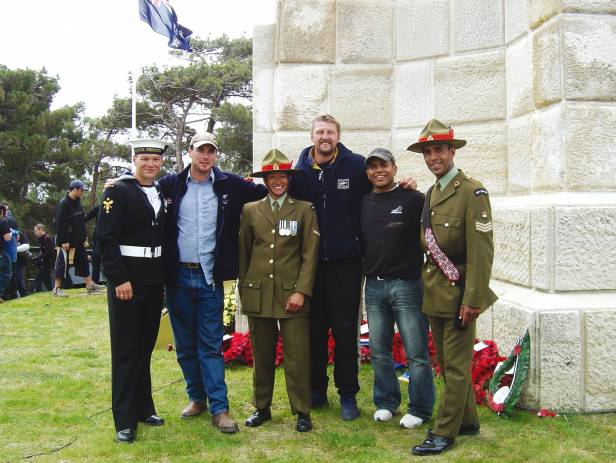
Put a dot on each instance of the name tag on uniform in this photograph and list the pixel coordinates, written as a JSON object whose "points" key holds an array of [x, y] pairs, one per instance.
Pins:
{"points": [[287, 227]]}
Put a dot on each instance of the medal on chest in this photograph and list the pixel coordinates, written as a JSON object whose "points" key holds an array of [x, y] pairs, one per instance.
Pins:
{"points": [[287, 227]]}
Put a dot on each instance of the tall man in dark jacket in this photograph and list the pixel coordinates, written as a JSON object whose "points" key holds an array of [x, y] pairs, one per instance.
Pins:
{"points": [[71, 237], [334, 179], [204, 206]]}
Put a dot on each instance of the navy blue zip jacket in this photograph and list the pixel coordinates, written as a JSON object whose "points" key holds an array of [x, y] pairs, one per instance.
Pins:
{"points": [[336, 193], [232, 192]]}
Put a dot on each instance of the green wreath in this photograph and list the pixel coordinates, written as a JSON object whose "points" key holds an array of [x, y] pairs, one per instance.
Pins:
{"points": [[502, 398]]}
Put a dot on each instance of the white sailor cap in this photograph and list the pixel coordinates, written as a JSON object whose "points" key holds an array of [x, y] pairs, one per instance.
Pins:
{"points": [[147, 146]]}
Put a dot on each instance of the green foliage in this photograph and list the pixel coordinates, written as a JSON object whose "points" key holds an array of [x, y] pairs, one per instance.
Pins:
{"points": [[105, 157], [40, 149], [190, 95], [235, 137]]}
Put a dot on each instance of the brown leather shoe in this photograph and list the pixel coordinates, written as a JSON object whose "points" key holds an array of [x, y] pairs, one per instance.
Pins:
{"points": [[194, 408], [224, 423]]}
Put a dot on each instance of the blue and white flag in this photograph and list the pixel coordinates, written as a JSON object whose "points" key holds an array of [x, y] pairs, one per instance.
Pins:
{"points": [[160, 16]]}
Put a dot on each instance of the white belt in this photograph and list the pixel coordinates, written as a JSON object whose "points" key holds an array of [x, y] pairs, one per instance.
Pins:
{"points": [[140, 251]]}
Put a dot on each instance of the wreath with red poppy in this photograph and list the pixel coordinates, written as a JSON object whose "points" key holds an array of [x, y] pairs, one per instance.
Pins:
{"points": [[506, 385]]}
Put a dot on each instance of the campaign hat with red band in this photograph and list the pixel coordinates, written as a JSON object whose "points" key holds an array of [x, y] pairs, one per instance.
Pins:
{"points": [[275, 161], [436, 133]]}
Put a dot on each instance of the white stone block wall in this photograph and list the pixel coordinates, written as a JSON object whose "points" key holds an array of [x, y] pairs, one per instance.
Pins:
{"points": [[531, 85]]}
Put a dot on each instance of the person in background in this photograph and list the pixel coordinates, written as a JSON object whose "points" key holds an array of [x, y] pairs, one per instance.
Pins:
{"points": [[6, 236], [23, 257], [44, 260], [71, 238]]}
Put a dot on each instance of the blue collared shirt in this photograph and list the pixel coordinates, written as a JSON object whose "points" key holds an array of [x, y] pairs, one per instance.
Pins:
{"points": [[197, 218]]}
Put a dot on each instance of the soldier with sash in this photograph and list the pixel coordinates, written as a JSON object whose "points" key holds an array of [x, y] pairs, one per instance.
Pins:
{"points": [[278, 253], [456, 236]]}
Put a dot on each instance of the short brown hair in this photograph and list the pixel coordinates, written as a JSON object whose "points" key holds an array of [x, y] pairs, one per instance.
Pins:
{"points": [[326, 118]]}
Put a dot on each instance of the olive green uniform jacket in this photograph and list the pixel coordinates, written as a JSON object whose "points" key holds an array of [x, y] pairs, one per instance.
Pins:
{"points": [[462, 225], [276, 261]]}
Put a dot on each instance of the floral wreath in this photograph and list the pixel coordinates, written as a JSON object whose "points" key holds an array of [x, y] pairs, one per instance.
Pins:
{"points": [[506, 385]]}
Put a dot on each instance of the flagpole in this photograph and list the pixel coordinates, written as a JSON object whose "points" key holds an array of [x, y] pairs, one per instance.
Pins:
{"points": [[134, 104]]}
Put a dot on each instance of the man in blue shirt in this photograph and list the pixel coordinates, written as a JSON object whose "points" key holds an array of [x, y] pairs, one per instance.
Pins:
{"points": [[204, 206]]}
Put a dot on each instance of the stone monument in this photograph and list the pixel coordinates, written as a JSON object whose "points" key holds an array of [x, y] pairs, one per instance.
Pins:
{"points": [[531, 84]]}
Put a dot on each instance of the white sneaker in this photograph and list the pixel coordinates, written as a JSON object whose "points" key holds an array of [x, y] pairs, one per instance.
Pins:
{"points": [[58, 292], [409, 421], [383, 415]]}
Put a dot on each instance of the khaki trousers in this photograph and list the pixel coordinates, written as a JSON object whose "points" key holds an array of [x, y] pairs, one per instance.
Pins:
{"points": [[454, 349], [296, 355]]}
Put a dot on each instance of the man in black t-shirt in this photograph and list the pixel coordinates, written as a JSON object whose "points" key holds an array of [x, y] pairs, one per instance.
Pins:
{"points": [[390, 224]]}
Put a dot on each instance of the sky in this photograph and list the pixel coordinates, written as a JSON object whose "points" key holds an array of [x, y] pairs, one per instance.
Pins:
{"points": [[92, 45]]}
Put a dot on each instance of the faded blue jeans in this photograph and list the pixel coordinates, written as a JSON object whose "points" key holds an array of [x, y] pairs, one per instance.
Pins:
{"points": [[195, 309], [399, 301]]}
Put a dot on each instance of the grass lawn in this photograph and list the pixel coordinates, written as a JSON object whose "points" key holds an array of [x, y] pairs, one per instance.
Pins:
{"points": [[55, 392]]}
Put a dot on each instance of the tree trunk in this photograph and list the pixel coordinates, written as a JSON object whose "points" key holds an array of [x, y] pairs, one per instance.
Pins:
{"points": [[95, 176]]}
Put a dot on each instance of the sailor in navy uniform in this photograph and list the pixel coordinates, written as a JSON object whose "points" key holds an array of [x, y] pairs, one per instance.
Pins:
{"points": [[130, 231]]}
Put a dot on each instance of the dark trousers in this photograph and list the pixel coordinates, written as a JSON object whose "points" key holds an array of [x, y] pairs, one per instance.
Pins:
{"points": [[133, 328], [295, 354], [454, 350], [43, 278], [335, 305], [17, 284], [96, 266]]}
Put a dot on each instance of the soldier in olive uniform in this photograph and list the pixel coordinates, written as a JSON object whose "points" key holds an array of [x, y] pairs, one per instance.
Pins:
{"points": [[278, 249], [456, 236]]}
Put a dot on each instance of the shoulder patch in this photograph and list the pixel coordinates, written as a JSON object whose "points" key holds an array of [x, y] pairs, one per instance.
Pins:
{"points": [[481, 191]]}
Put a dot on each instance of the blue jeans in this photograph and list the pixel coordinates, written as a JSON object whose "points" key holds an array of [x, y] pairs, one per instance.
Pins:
{"points": [[195, 309], [6, 271], [399, 301]]}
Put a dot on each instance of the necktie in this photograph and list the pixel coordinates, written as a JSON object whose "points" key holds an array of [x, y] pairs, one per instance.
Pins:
{"points": [[276, 209]]}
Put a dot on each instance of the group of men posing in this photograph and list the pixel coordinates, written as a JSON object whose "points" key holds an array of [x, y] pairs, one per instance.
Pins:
{"points": [[300, 250]]}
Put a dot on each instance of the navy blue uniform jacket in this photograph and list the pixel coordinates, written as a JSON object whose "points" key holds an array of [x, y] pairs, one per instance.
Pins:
{"points": [[336, 193], [232, 192]]}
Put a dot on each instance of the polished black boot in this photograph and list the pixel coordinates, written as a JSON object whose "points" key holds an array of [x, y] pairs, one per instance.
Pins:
{"points": [[126, 435], [258, 417], [153, 420], [304, 423], [433, 445]]}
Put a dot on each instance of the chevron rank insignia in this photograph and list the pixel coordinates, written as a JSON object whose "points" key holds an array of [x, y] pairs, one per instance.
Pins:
{"points": [[483, 227]]}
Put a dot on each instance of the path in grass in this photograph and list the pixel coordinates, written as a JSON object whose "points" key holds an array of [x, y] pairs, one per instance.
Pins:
{"points": [[55, 390]]}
